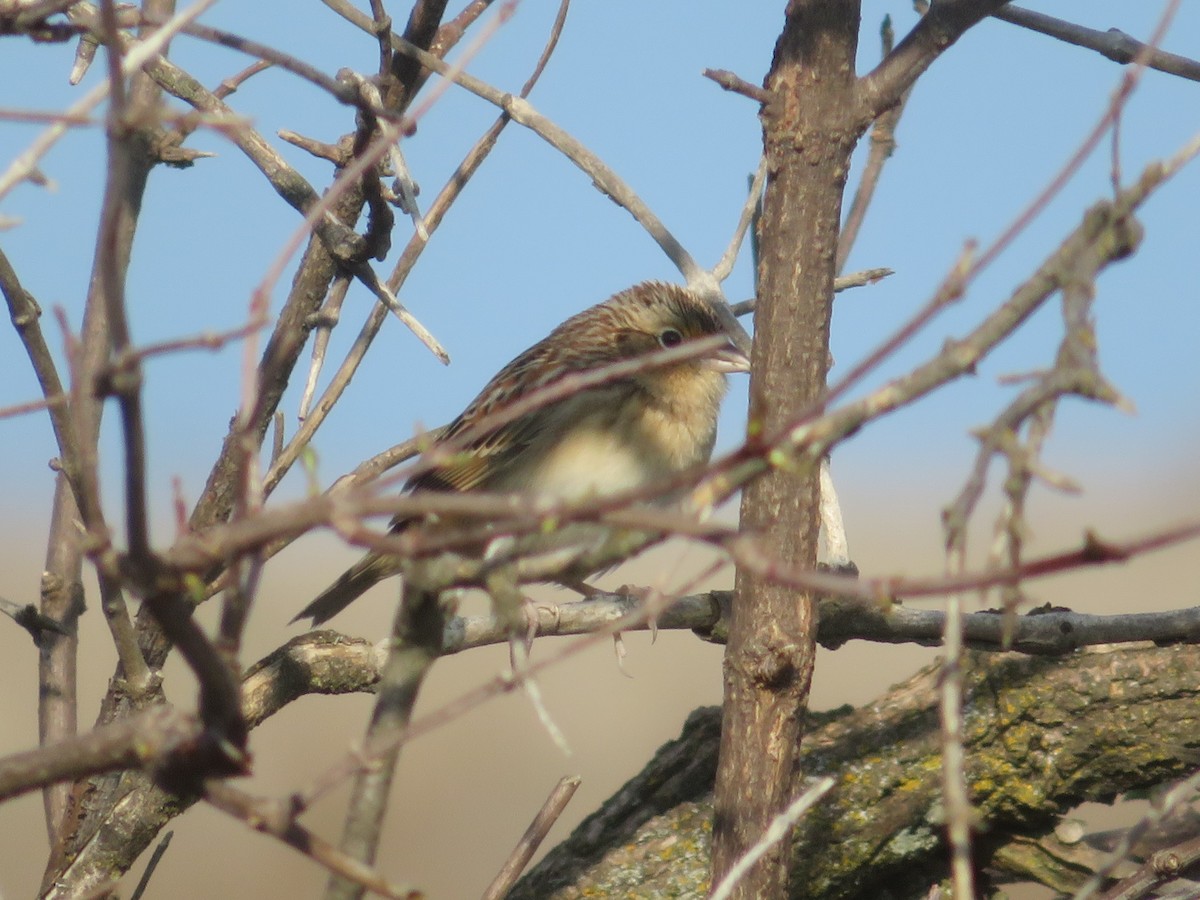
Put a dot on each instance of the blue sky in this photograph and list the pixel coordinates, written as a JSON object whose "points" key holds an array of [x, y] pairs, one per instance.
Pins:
{"points": [[531, 242]]}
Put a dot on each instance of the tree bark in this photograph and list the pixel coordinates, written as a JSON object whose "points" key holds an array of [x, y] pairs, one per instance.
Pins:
{"points": [[1041, 736], [808, 135]]}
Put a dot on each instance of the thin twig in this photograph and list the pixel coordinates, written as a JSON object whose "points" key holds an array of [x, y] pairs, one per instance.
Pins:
{"points": [[725, 265], [1113, 44], [955, 793], [155, 859], [883, 144], [26, 163], [1162, 867], [1183, 792], [841, 283], [327, 318], [532, 838], [1092, 551], [730, 81], [367, 276], [278, 820]]}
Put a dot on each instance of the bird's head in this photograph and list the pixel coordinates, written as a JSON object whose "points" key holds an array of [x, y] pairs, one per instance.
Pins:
{"points": [[655, 315]]}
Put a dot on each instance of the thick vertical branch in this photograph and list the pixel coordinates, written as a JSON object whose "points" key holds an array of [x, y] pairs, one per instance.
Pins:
{"points": [[808, 136]]}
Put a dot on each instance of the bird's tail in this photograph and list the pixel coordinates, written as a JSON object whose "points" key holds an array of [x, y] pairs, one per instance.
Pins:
{"points": [[363, 575]]}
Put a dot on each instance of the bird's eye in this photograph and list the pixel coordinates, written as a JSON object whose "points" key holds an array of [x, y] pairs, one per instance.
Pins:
{"points": [[670, 338]]}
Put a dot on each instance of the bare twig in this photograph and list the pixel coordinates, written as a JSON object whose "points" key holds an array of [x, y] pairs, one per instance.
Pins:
{"points": [[327, 318], [367, 276], [383, 31], [532, 838], [155, 859], [25, 315], [1042, 632], [605, 179], [1112, 44], [1181, 793], [277, 819], [841, 283], [31, 406], [883, 144], [1158, 870], [738, 85], [725, 265], [955, 792], [26, 163], [28, 617], [1092, 551]]}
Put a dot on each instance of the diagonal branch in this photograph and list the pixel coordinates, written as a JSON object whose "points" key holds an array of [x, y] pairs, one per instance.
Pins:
{"points": [[1112, 44], [938, 29], [1113, 720]]}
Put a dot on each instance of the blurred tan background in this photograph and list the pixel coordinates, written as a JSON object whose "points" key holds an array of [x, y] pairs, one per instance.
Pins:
{"points": [[465, 794]]}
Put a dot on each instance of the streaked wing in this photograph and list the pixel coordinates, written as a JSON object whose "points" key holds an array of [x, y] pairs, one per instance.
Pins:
{"points": [[476, 463]]}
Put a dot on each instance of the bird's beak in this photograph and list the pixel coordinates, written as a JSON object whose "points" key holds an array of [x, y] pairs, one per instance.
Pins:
{"points": [[730, 358], [734, 356]]}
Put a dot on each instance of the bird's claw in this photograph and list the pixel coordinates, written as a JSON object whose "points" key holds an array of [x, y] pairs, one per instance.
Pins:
{"points": [[643, 596], [531, 612], [619, 649]]}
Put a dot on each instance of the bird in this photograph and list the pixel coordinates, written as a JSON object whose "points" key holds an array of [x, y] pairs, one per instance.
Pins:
{"points": [[621, 435]]}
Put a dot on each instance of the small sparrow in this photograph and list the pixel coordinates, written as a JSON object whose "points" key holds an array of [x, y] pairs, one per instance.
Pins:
{"points": [[619, 436]]}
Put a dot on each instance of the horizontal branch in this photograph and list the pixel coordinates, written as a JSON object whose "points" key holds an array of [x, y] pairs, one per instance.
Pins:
{"points": [[149, 738], [1041, 631], [330, 663]]}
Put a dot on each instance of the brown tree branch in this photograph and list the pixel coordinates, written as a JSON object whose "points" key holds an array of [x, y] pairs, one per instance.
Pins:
{"points": [[141, 741], [1043, 631], [771, 649], [1112, 44], [326, 662], [1111, 720], [938, 29], [408, 258], [1158, 870]]}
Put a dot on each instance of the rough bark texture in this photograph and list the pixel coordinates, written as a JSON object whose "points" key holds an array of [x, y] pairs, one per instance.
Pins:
{"points": [[1041, 736], [808, 138]]}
